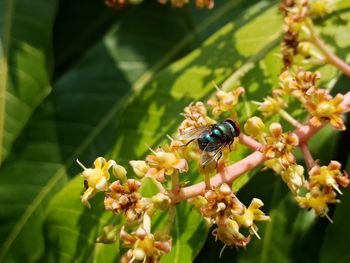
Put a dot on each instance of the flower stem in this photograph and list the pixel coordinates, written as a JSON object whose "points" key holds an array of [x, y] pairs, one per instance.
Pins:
{"points": [[309, 160], [285, 115], [329, 55], [175, 183]]}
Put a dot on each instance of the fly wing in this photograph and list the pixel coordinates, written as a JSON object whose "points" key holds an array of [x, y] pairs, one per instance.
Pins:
{"points": [[193, 133], [207, 157]]}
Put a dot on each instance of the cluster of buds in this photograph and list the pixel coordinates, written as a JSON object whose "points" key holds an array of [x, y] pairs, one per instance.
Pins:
{"points": [[278, 148], [124, 197], [195, 116], [321, 106], [295, 13], [221, 207], [323, 187], [225, 101]]}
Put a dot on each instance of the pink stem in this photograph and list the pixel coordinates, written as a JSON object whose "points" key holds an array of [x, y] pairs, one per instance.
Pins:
{"points": [[330, 56], [309, 160], [235, 170]]}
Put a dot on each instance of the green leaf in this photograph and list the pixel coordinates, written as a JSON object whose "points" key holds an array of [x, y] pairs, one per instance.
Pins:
{"points": [[25, 64], [335, 246], [189, 233], [288, 223], [74, 228]]}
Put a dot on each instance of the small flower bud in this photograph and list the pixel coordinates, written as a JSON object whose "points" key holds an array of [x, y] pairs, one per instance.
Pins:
{"points": [[254, 126], [161, 201], [276, 129], [304, 49], [221, 206], [141, 233], [139, 254], [225, 189], [119, 172], [140, 168]]}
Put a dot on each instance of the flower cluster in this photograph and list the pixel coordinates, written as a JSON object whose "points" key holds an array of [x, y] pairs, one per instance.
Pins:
{"points": [[195, 116], [126, 198], [222, 207], [324, 185], [225, 101], [295, 13], [280, 145], [321, 106]]}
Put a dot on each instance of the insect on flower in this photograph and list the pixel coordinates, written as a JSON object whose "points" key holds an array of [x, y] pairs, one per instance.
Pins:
{"points": [[212, 139]]}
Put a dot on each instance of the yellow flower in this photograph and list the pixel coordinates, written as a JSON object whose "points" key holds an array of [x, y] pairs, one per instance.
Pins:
{"points": [[225, 101], [251, 214], [323, 108], [165, 163], [330, 176], [140, 168], [95, 179], [271, 106], [229, 234], [318, 201]]}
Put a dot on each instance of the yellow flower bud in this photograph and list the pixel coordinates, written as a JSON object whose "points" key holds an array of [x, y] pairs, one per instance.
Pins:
{"points": [[140, 168], [254, 126], [161, 201], [119, 172]]}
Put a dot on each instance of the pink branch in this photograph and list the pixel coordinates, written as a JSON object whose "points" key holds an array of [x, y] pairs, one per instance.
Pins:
{"points": [[330, 56], [309, 160], [235, 170]]}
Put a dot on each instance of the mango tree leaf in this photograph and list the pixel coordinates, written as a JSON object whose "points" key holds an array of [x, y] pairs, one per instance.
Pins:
{"points": [[25, 64]]}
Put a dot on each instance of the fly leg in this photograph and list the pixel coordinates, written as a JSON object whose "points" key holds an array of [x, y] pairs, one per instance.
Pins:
{"points": [[229, 146], [217, 160]]}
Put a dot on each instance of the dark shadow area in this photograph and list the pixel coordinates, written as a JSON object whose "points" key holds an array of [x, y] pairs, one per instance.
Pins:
{"points": [[79, 25]]}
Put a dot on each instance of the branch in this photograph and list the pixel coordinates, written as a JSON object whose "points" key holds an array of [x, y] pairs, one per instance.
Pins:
{"points": [[251, 161], [330, 56]]}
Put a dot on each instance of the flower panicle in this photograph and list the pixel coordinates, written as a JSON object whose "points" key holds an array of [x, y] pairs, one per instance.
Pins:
{"points": [[323, 187], [221, 207]]}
